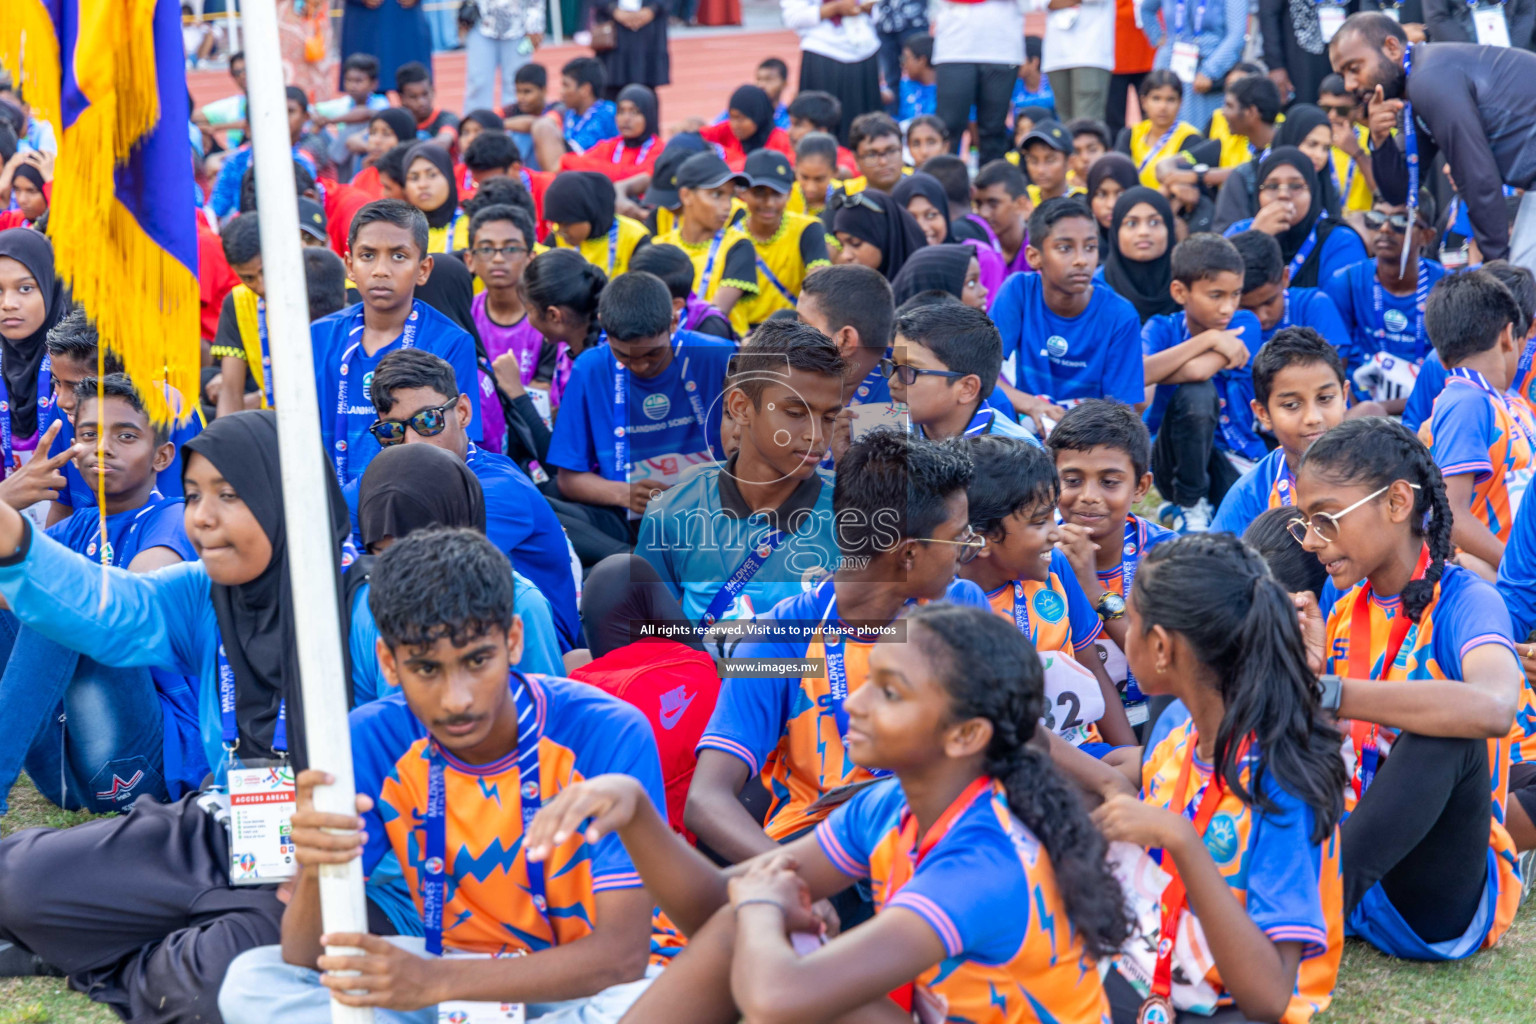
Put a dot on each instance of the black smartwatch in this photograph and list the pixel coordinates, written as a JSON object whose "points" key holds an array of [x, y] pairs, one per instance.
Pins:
{"points": [[1200, 172]]}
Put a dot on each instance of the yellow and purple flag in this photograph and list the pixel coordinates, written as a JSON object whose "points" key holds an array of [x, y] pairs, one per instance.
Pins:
{"points": [[109, 76]]}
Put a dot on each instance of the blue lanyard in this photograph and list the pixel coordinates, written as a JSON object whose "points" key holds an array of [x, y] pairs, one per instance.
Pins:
{"points": [[452, 225], [527, 180], [1257, 157], [621, 463], [645, 149], [44, 401], [1420, 297], [1411, 148], [574, 129], [709, 264], [1021, 611], [1130, 558], [339, 442], [613, 243], [435, 868], [1345, 185], [778, 285], [837, 674], [1306, 248], [266, 360], [229, 727], [981, 423], [1160, 142], [737, 581], [1179, 12]]}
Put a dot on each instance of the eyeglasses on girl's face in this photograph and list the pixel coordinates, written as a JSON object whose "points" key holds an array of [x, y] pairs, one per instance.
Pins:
{"points": [[1326, 524]]}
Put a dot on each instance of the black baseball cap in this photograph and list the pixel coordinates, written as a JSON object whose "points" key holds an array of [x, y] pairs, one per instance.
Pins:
{"points": [[707, 170], [312, 219], [1052, 134], [663, 190], [771, 168]]}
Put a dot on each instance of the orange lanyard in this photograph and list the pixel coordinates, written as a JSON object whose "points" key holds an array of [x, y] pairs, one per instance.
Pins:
{"points": [[1364, 735]]}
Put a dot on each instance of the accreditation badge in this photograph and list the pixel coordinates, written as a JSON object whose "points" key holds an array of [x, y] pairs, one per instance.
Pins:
{"points": [[463, 1011], [1185, 61], [261, 806]]}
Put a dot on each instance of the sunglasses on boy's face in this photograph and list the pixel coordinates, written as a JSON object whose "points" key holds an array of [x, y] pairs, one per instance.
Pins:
{"points": [[428, 422], [1398, 222]]}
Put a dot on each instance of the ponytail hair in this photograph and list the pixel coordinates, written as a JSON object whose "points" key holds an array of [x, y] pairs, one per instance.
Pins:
{"points": [[1373, 452], [563, 278], [991, 671], [1219, 595]]}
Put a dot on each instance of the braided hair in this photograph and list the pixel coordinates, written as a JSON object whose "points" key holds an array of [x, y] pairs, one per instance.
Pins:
{"points": [[1218, 593], [991, 671], [1372, 452]]}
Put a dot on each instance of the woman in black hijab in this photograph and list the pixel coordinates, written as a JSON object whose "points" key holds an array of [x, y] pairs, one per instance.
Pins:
{"points": [[408, 487], [255, 616], [873, 229], [945, 268], [1313, 244], [31, 302], [1306, 126], [1109, 178], [753, 103], [399, 121], [451, 291], [575, 198], [429, 186], [1138, 265], [645, 102], [922, 195]]}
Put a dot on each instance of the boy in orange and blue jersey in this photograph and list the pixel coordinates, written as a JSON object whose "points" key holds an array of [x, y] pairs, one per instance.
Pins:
{"points": [[449, 773], [901, 515], [1483, 448]]}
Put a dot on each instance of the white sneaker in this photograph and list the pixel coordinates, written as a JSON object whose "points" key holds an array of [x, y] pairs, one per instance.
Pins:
{"points": [[1197, 517]]}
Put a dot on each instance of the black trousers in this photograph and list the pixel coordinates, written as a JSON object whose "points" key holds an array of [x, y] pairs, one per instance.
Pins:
{"points": [[1421, 830], [1119, 89], [1125, 1002], [989, 87], [596, 531], [620, 593], [1186, 465]]}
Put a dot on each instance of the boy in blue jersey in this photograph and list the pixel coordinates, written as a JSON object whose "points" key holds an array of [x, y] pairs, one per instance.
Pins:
{"points": [[638, 410], [1267, 293], [414, 394], [72, 345], [1102, 452], [1200, 411], [448, 772], [388, 259], [902, 528], [734, 538], [945, 365], [121, 721], [587, 118], [1484, 447], [1382, 308], [1299, 394], [854, 306], [1063, 338], [918, 92]]}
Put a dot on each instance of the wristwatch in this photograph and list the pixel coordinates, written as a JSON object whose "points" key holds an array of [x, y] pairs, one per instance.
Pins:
{"points": [[1332, 692], [1200, 173], [1110, 607]]}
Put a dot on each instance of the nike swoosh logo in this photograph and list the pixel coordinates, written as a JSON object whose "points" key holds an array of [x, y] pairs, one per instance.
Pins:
{"points": [[669, 719]]}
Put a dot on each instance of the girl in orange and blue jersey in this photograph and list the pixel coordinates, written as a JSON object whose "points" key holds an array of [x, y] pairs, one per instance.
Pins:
{"points": [[974, 820], [1028, 580], [1421, 661], [1237, 799]]}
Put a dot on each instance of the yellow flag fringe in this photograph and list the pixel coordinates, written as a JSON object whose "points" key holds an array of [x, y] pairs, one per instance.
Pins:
{"points": [[144, 302]]}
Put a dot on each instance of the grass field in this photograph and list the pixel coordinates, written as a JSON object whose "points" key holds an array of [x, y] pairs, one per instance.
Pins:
{"points": [[1497, 987]]}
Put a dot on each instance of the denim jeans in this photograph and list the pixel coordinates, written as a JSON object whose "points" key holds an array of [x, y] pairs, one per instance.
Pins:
{"points": [[482, 56], [90, 736]]}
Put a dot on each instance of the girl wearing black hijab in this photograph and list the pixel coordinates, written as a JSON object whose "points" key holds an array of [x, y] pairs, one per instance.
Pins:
{"points": [[410, 487], [1306, 126], [748, 127], [31, 302], [634, 150], [579, 206], [945, 268], [1313, 244], [922, 195], [1111, 176], [391, 127], [429, 186], [1138, 265], [166, 920], [873, 229]]}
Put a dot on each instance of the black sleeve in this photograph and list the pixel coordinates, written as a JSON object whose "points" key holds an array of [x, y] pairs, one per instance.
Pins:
{"points": [[549, 354], [813, 245], [1522, 22], [741, 267], [1204, 151], [1123, 141], [716, 325], [1450, 111], [965, 229], [1191, 141], [228, 334], [650, 223], [1272, 25], [1442, 24], [1234, 202], [447, 119], [528, 427]]}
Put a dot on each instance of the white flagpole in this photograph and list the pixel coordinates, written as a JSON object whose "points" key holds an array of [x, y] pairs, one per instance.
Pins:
{"points": [[342, 903]]}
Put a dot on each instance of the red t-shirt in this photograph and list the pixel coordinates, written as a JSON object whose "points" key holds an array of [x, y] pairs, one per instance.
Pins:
{"points": [[341, 204], [736, 157], [214, 278], [616, 160]]}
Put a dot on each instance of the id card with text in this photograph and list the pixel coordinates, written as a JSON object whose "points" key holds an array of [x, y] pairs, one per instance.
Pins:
{"points": [[462, 1011], [261, 805], [1185, 61]]}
